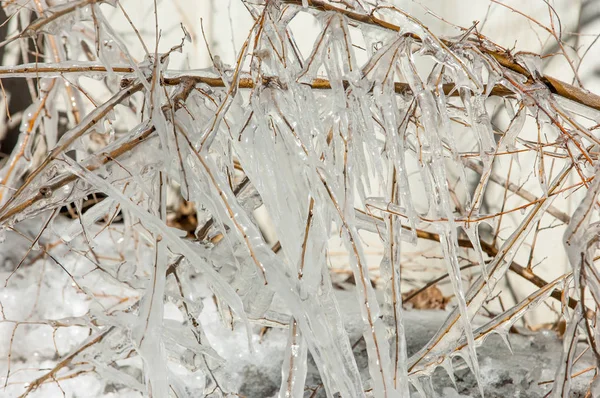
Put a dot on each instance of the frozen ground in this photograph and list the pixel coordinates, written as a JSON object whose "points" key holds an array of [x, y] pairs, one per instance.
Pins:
{"points": [[533, 360], [258, 374]]}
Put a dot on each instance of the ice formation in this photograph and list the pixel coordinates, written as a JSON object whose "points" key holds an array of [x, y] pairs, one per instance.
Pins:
{"points": [[329, 144]]}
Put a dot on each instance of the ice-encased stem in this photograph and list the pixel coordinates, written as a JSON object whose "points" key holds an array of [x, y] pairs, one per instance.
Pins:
{"points": [[294, 364]]}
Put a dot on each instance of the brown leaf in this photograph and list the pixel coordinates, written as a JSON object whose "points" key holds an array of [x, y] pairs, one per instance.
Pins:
{"points": [[429, 299]]}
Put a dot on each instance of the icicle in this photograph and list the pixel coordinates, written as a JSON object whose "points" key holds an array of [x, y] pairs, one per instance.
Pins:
{"points": [[561, 388], [441, 200], [116, 376], [480, 121], [513, 130], [531, 62], [86, 220], [294, 365], [147, 331], [390, 271], [447, 365], [416, 382]]}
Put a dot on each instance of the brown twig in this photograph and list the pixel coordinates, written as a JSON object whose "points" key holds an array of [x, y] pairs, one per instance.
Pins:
{"points": [[65, 362]]}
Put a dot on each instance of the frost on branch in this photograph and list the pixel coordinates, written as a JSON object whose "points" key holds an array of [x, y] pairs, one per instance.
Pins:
{"points": [[354, 140]]}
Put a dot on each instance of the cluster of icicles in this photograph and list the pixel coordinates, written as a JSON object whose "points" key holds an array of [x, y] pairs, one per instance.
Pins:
{"points": [[328, 147]]}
